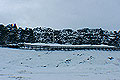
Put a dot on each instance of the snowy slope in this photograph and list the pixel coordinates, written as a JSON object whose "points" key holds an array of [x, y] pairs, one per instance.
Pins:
{"points": [[18, 64]]}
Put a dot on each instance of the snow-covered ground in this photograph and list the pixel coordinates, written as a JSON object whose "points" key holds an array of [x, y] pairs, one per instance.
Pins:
{"points": [[16, 64]]}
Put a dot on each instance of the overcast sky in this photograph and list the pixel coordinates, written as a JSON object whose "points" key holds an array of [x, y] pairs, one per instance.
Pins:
{"points": [[61, 14]]}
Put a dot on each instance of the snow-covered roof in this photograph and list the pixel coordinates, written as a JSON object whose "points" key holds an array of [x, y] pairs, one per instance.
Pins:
{"points": [[43, 44]]}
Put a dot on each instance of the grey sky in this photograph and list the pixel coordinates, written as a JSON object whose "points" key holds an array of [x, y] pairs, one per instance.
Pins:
{"points": [[60, 14]]}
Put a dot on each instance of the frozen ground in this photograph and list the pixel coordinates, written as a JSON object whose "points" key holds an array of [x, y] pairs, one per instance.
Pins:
{"points": [[18, 64]]}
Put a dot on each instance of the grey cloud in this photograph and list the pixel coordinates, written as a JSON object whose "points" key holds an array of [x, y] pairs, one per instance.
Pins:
{"points": [[60, 14]]}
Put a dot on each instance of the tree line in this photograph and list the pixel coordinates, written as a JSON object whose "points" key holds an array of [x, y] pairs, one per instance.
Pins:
{"points": [[12, 34]]}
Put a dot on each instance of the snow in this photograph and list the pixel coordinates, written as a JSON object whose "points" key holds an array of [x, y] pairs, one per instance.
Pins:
{"points": [[19, 64], [43, 44]]}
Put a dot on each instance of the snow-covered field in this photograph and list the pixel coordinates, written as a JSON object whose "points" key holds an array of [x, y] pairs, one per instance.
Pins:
{"points": [[18, 64]]}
